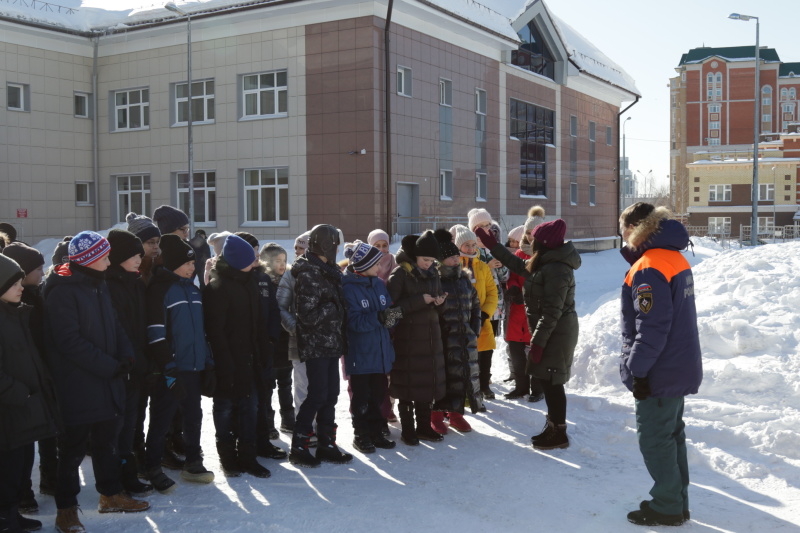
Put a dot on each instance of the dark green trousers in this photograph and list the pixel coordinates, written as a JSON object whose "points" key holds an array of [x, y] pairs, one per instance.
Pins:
{"points": [[662, 441]]}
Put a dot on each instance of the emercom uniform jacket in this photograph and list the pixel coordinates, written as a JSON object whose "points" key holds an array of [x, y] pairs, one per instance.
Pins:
{"points": [[660, 340]]}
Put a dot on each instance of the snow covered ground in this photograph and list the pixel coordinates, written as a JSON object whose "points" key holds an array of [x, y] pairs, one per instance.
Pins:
{"points": [[743, 430]]}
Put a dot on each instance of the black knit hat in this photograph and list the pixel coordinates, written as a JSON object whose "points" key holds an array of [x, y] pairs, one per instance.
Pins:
{"points": [[61, 252], [124, 245], [428, 246], [175, 251], [169, 218], [446, 244], [27, 257], [10, 273], [9, 230], [248, 237]]}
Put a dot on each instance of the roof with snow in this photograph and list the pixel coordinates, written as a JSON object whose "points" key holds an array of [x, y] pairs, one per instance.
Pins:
{"points": [[789, 70], [730, 53]]}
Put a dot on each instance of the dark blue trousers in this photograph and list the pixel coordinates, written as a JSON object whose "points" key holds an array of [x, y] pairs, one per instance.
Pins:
{"points": [[323, 391], [163, 406]]}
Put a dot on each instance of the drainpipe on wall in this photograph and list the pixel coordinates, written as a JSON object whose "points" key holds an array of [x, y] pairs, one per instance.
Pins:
{"points": [[387, 105], [620, 177], [95, 164]]}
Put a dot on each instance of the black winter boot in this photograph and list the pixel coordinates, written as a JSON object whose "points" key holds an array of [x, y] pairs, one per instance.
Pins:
{"points": [[228, 458], [268, 450], [249, 463], [287, 421], [363, 442], [161, 482], [141, 461], [170, 459], [542, 434], [380, 441], [327, 450], [555, 437], [28, 524], [299, 454], [128, 476], [408, 432], [424, 429], [9, 520]]}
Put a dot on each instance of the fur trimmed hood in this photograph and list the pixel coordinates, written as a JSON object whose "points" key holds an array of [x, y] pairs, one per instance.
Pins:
{"points": [[658, 230], [648, 227]]}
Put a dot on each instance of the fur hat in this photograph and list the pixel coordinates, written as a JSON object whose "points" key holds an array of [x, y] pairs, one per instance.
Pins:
{"points": [[550, 234], [61, 252], [477, 217], [175, 251], [124, 245], [462, 234], [87, 247], [363, 256], [446, 244], [142, 227], [517, 233], [169, 218], [270, 251], [238, 253], [535, 217], [427, 246], [377, 235], [28, 258], [10, 273]]}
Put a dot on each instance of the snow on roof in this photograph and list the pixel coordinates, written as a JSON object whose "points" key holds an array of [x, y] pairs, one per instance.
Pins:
{"points": [[479, 14]]}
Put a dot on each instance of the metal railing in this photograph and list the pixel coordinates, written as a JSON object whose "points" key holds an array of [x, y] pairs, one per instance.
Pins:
{"points": [[42, 6], [402, 226]]}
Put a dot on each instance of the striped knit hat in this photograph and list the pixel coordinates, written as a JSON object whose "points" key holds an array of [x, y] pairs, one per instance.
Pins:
{"points": [[87, 247]]}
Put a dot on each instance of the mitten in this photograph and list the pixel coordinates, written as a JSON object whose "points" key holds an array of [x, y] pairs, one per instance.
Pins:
{"points": [[641, 388], [535, 353], [209, 384], [390, 317], [484, 316], [173, 382], [486, 238]]}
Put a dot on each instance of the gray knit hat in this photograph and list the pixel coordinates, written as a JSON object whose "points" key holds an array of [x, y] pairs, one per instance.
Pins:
{"points": [[535, 217], [61, 252], [142, 227]]}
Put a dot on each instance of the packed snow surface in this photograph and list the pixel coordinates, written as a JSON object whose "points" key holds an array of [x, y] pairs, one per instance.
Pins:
{"points": [[743, 430]]}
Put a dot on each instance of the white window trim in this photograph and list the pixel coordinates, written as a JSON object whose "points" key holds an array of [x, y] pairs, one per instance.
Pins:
{"points": [[141, 104], [89, 193], [766, 118], [256, 91], [592, 193], [206, 189], [205, 98], [145, 192], [478, 109], [767, 187], [401, 88], [571, 134], [22, 100], [722, 191], [478, 176], [88, 98], [443, 182], [277, 187], [445, 87], [575, 201]]}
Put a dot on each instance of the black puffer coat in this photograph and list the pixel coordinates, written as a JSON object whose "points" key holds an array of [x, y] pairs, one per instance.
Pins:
{"points": [[321, 312], [418, 373], [128, 297], [549, 294], [232, 310], [461, 324], [27, 395]]}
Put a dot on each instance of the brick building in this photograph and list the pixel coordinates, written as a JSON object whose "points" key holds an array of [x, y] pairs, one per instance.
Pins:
{"points": [[712, 134], [289, 100]]}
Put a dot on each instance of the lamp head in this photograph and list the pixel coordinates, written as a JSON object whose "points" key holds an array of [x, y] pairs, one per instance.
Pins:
{"points": [[170, 6], [739, 16]]}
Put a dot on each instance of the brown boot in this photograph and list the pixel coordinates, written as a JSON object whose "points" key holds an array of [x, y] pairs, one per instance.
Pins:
{"points": [[121, 503], [67, 521]]}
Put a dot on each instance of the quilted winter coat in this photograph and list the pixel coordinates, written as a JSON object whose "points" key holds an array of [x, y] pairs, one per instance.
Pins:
{"points": [[481, 278], [517, 325], [369, 346]]}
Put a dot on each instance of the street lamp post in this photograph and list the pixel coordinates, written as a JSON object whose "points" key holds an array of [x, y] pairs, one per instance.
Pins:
{"points": [[623, 180], [756, 123], [190, 142], [774, 200]]}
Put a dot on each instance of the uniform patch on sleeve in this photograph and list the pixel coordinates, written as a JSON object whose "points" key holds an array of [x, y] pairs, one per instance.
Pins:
{"points": [[644, 287], [645, 300]]}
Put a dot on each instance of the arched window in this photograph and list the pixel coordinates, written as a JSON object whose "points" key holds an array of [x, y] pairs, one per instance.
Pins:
{"points": [[714, 86], [792, 94], [784, 94], [766, 95]]}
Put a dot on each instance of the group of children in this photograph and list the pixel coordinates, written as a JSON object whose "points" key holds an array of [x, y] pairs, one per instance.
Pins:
{"points": [[120, 323]]}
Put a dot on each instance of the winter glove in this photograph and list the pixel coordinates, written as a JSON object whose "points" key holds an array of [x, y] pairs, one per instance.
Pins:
{"points": [[514, 293], [641, 388], [209, 382], [390, 317], [487, 239], [484, 316], [174, 383], [535, 353], [124, 368]]}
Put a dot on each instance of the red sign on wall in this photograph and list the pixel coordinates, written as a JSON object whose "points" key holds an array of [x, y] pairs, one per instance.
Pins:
{"points": [[22, 213]]}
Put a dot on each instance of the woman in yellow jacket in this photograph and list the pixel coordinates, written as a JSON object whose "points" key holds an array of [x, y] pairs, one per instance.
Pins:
{"points": [[483, 281]]}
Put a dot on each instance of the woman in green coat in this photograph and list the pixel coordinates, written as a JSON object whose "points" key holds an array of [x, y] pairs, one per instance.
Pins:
{"points": [[549, 294]]}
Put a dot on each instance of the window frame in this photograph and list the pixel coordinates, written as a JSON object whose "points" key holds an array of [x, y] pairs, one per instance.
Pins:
{"points": [[480, 109], [726, 225], [481, 182], [573, 193], [277, 186], [144, 109], [445, 92], [90, 196], [209, 196], [87, 97], [609, 136], [719, 190], [278, 90], [767, 188], [445, 184], [144, 191], [206, 97], [404, 80], [23, 96]]}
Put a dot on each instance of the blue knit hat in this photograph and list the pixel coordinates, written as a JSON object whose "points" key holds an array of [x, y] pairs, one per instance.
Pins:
{"points": [[87, 247], [169, 219], [363, 256], [238, 253]]}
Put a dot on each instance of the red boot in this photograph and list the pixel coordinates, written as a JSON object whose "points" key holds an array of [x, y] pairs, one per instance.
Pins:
{"points": [[459, 423], [437, 422]]}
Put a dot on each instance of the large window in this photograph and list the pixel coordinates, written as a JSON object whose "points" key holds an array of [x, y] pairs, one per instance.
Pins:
{"points": [[17, 97], [202, 102], [766, 191], [264, 94], [446, 184], [533, 54], [719, 193], [133, 195], [533, 126], [404, 81], [719, 225], [132, 109], [205, 196], [766, 224], [266, 195], [714, 86]]}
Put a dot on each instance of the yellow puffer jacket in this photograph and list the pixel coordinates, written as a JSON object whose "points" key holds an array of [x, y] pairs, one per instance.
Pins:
{"points": [[481, 276]]}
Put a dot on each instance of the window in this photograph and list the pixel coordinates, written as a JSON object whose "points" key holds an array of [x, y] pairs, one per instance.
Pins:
{"points": [[573, 126], [573, 194], [266, 195], [719, 193], [533, 54], [202, 102], [713, 142], [765, 224], [592, 132], [84, 193], [17, 97], [445, 92], [592, 194], [205, 196], [265, 94], [609, 136], [404, 81], [766, 118], [480, 186], [81, 105], [133, 194], [714, 86], [132, 110], [784, 94], [713, 125], [714, 108], [480, 101], [766, 191], [533, 126], [766, 101], [792, 94], [446, 184], [719, 225]]}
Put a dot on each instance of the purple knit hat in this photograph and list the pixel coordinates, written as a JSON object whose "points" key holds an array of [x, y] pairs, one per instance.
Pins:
{"points": [[551, 234]]}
